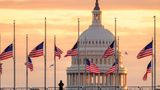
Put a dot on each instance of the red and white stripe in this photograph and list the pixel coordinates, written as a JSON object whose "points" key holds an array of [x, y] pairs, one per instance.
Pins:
{"points": [[145, 75], [58, 52], [36, 53], [111, 70], [29, 65], [93, 68], [73, 52], [108, 52], [144, 53], [6, 55]]}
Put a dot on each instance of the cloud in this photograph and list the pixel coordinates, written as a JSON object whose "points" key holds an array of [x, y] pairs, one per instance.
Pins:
{"points": [[74, 4]]}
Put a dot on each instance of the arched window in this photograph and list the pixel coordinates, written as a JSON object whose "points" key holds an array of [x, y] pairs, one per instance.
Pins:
{"points": [[103, 42], [96, 61], [100, 61], [92, 42], [96, 42]]}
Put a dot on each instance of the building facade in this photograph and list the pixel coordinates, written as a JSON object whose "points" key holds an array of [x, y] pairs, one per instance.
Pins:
{"points": [[92, 44]]}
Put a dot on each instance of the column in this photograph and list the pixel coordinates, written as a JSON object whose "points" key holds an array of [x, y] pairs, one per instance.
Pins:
{"points": [[99, 79], [90, 79], [125, 79], [81, 79], [94, 79], [75, 79], [106, 80], [71, 79], [103, 79], [67, 79]]}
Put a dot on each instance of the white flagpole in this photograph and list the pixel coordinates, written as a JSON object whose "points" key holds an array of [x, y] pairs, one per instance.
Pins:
{"points": [[115, 51], [14, 56], [0, 63], [154, 52], [26, 61], [54, 64], [85, 79], [78, 56], [45, 59]]}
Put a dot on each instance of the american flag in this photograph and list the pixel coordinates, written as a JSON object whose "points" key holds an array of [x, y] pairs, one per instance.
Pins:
{"points": [[73, 51], [37, 51], [57, 52], [7, 53], [1, 68], [109, 51], [91, 67], [149, 69], [113, 68], [29, 64], [146, 51]]}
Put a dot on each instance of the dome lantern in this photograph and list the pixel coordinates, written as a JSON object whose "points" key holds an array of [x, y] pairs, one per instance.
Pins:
{"points": [[96, 20]]}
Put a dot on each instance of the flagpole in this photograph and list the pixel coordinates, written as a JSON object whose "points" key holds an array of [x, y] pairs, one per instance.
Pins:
{"points": [[26, 61], [0, 63], [14, 56], [118, 63], [154, 52], [152, 75], [85, 64], [45, 55], [115, 50], [54, 63], [78, 55]]}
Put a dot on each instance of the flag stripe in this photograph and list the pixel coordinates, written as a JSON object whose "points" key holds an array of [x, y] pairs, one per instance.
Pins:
{"points": [[149, 69], [58, 52], [7, 53], [29, 64], [109, 51], [37, 51], [146, 51], [91, 67], [73, 51], [112, 69]]}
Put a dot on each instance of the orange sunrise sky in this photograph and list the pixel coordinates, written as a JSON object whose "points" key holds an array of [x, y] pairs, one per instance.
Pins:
{"points": [[134, 28]]}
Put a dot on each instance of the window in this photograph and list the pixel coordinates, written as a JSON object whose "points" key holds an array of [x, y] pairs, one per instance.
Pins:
{"points": [[100, 61], [103, 42], [92, 42]]}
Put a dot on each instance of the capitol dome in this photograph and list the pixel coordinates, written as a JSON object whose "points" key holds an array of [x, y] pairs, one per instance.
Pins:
{"points": [[96, 35], [93, 42]]}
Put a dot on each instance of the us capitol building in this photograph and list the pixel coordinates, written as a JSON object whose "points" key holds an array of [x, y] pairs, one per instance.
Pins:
{"points": [[92, 44]]}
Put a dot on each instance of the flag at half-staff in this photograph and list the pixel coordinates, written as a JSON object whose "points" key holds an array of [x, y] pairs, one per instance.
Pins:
{"points": [[91, 67], [37, 51], [149, 69], [146, 51], [7, 53], [57, 51], [109, 51], [73, 51], [113, 68], [29, 64]]}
